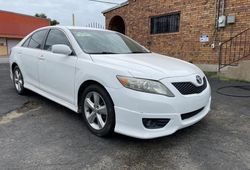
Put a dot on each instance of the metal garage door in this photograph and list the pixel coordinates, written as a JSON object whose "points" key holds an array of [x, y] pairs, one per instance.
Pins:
{"points": [[11, 43]]}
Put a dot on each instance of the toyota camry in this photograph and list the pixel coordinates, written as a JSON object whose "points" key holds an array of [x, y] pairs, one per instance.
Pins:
{"points": [[114, 82]]}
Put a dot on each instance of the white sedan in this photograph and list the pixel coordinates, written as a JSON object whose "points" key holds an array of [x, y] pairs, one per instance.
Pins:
{"points": [[114, 82]]}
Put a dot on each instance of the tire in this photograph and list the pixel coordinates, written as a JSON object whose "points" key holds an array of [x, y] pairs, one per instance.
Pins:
{"points": [[18, 81], [97, 110]]}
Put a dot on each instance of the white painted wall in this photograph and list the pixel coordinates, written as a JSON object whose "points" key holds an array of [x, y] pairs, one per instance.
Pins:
{"points": [[11, 43]]}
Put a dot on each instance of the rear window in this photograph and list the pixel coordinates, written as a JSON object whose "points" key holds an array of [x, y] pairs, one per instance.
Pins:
{"points": [[26, 43], [36, 39]]}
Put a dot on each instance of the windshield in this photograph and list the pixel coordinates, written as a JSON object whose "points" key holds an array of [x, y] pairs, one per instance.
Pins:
{"points": [[104, 42]]}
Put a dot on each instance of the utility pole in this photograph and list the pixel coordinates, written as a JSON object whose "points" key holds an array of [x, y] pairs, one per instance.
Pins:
{"points": [[73, 19]]}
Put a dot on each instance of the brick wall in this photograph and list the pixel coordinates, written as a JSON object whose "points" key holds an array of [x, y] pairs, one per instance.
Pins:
{"points": [[197, 18]]}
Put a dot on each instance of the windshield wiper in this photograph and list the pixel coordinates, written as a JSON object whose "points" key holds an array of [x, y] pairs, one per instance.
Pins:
{"points": [[138, 52], [104, 52], [108, 52]]}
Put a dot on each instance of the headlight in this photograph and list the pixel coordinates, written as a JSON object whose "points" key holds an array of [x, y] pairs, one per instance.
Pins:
{"points": [[144, 85]]}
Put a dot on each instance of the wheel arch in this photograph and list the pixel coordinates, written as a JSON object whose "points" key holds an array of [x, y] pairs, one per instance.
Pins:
{"points": [[83, 86], [14, 64]]}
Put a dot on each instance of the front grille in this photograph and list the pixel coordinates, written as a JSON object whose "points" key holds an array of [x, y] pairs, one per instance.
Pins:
{"points": [[191, 114], [187, 88]]}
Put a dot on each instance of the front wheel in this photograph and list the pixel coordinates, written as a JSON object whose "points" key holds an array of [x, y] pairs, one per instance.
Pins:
{"points": [[98, 110], [18, 80]]}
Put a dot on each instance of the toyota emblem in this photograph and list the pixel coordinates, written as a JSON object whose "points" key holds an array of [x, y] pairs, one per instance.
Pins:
{"points": [[198, 79]]}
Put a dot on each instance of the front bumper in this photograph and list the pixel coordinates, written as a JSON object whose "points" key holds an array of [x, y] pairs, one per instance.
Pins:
{"points": [[132, 106], [130, 123]]}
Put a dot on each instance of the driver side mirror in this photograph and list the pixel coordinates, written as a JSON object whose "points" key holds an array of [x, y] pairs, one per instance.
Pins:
{"points": [[61, 49]]}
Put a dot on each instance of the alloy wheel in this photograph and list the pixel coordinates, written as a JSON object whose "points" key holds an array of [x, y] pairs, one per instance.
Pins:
{"points": [[18, 81], [95, 110]]}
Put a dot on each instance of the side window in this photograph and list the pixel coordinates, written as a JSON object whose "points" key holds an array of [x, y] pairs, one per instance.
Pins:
{"points": [[26, 43], [36, 40], [56, 37]]}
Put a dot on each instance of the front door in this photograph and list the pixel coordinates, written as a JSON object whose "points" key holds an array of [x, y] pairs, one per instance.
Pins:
{"points": [[57, 71]]}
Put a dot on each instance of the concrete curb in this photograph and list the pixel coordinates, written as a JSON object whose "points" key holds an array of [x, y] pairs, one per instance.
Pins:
{"points": [[4, 60]]}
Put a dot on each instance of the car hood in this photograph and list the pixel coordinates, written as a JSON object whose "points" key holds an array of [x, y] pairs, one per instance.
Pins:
{"points": [[148, 65]]}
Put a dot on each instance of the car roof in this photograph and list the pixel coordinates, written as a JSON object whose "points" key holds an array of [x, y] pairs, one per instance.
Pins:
{"points": [[75, 27]]}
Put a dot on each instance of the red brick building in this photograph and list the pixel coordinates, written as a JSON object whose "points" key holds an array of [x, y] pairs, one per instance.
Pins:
{"points": [[14, 27], [186, 29]]}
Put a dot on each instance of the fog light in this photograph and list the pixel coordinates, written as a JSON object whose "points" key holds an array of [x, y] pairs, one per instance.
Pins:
{"points": [[154, 123]]}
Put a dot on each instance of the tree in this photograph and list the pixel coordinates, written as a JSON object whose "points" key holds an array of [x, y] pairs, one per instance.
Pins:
{"points": [[52, 22]]}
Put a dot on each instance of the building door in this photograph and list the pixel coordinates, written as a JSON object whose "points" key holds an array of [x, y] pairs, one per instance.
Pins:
{"points": [[12, 43]]}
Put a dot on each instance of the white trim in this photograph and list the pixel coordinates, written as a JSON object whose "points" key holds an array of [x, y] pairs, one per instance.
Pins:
{"points": [[116, 7]]}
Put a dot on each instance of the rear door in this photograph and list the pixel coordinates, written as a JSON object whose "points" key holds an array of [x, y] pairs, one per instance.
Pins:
{"points": [[57, 71], [30, 53]]}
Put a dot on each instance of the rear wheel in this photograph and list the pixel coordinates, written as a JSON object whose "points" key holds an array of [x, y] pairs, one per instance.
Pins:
{"points": [[98, 110], [18, 80]]}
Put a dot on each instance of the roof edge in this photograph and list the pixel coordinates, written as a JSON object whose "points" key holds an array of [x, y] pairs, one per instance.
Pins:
{"points": [[12, 36], [116, 7], [11, 12]]}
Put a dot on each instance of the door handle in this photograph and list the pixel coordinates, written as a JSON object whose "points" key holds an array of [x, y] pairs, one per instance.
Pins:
{"points": [[41, 57]]}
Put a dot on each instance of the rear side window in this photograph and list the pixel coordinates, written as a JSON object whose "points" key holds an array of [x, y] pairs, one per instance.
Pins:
{"points": [[36, 40], [26, 43], [56, 37]]}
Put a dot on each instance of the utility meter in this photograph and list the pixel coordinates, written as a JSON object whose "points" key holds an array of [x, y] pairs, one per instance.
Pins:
{"points": [[222, 21]]}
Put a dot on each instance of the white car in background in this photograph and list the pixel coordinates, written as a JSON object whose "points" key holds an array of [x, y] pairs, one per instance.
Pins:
{"points": [[115, 83]]}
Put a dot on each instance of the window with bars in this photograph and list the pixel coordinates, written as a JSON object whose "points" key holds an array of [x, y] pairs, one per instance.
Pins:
{"points": [[165, 24]]}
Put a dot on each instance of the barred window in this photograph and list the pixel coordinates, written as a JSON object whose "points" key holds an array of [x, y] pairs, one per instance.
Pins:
{"points": [[165, 24]]}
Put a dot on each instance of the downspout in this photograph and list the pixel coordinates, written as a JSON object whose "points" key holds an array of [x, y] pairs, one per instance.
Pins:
{"points": [[222, 3], [216, 44], [7, 48], [220, 11]]}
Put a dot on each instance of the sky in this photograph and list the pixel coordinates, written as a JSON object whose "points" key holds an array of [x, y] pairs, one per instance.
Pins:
{"points": [[85, 11]]}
